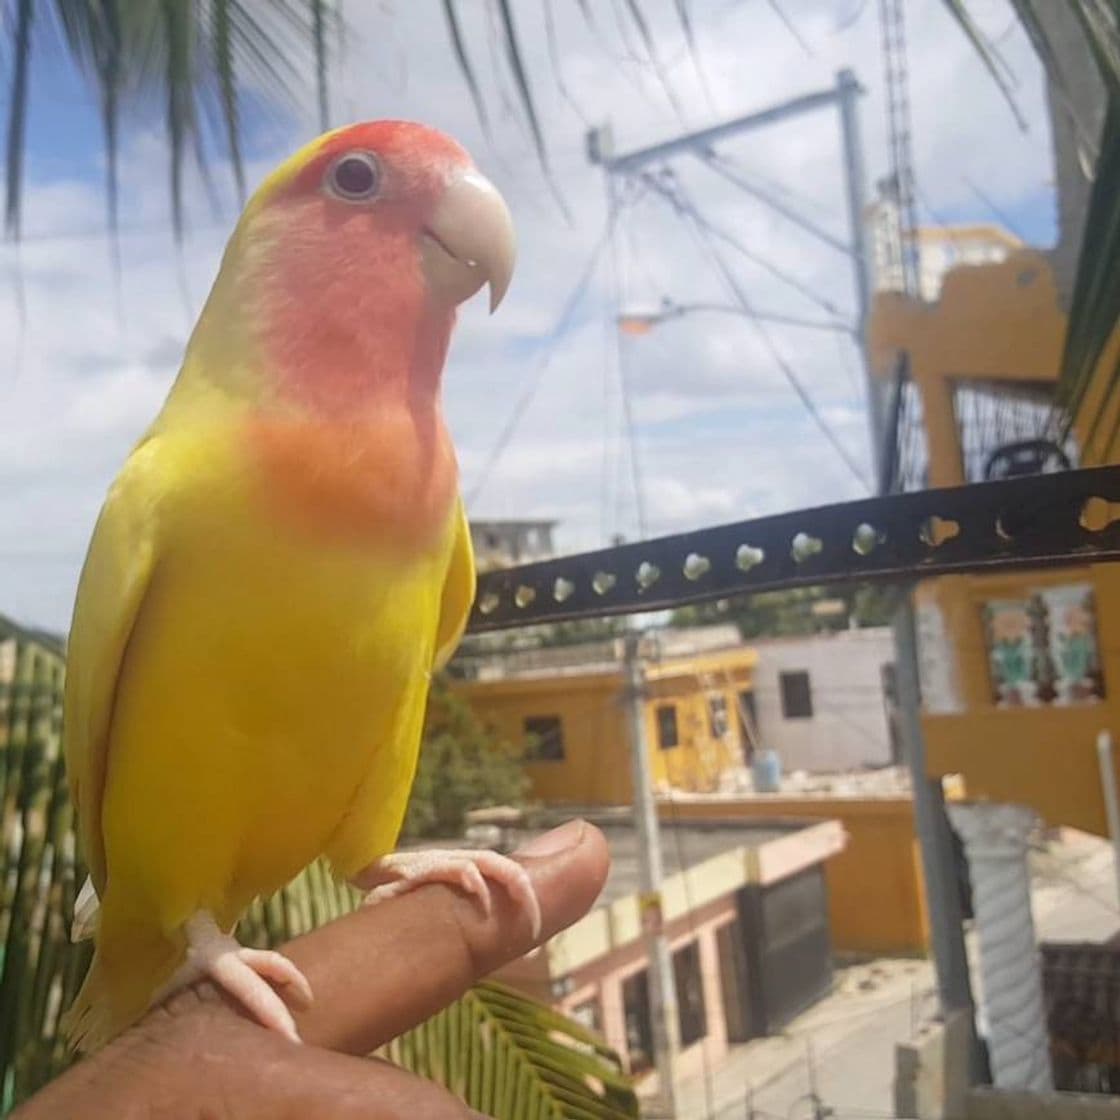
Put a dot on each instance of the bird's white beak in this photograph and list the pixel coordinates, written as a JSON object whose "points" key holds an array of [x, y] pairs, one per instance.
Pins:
{"points": [[469, 241]]}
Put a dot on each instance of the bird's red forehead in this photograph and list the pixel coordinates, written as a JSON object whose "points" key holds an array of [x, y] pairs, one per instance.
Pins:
{"points": [[412, 148]]}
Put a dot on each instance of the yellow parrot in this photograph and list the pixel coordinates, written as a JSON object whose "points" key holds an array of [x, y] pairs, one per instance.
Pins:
{"points": [[277, 570]]}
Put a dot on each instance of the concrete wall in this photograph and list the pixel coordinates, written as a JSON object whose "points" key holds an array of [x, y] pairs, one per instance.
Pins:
{"points": [[876, 895], [848, 728], [1004, 322]]}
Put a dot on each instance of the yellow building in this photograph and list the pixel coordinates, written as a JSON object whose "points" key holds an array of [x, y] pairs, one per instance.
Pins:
{"points": [[567, 705], [1022, 671]]}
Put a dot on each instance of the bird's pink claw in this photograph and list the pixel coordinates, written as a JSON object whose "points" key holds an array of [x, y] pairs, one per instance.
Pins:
{"points": [[467, 869], [247, 975]]}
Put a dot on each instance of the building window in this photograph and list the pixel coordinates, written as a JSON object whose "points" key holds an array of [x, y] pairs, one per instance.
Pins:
{"points": [[587, 1014], [639, 1025], [717, 715], [546, 739], [747, 712], [667, 736], [797, 696], [691, 1013]]}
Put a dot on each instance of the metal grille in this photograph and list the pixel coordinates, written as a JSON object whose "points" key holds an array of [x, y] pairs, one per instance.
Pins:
{"points": [[994, 415], [913, 446], [1082, 988], [1040, 521]]}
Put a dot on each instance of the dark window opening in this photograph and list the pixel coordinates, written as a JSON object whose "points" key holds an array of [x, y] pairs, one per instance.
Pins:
{"points": [[639, 1025], [588, 1015], [717, 716], [797, 695], [748, 723], [692, 1015], [546, 739], [667, 736]]}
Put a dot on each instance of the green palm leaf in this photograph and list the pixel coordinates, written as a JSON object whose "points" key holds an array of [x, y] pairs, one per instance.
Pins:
{"points": [[193, 55], [504, 1053], [512, 1058]]}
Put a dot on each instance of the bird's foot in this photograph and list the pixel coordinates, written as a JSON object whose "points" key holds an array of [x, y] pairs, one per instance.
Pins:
{"points": [[467, 869], [250, 976]]}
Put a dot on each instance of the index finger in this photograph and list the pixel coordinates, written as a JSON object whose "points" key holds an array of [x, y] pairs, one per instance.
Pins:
{"points": [[383, 969]]}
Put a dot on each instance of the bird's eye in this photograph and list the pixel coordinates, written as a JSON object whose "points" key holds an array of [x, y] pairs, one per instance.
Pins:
{"points": [[355, 177]]}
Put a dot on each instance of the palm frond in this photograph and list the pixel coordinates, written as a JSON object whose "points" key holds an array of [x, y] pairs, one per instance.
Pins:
{"points": [[319, 37], [462, 58], [17, 115], [517, 68], [179, 92], [94, 35], [192, 54], [1095, 309], [222, 39], [510, 1057], [960, 12]]}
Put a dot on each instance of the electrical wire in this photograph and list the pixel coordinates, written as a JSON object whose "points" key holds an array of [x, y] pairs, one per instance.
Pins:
{"points": [[779, 273], [687, 209], [535, 378], [791, 27], [623, 374], [736, 178]]}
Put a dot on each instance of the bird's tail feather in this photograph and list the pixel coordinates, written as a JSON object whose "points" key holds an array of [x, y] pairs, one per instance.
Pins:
{"points": [[123, 976], [86, 908]]}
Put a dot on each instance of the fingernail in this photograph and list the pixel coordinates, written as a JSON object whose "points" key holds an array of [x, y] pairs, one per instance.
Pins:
{"points": [[561, 839]]}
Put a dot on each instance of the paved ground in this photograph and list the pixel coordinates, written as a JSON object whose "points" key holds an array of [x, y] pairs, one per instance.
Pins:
{"points": [[848, 1040]]}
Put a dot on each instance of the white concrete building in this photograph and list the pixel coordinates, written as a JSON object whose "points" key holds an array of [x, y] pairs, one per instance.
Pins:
{"points": [[823, 701], [940, 248]]}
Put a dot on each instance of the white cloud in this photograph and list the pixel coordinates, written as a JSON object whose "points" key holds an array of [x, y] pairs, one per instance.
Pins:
{"points": [[719, 432]]}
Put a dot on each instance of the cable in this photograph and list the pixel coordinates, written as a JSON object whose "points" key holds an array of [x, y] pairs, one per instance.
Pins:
{"points": [[720, 166], [534, 380], [993, 206], [791, 27], [623, 378], [686, 208], [776, 271]]}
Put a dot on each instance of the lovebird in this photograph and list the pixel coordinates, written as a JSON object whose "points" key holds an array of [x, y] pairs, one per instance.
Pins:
{"points": [[279, 567]]}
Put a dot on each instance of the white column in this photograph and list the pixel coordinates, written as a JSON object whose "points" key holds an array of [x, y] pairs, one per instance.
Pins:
{"points": [[995, 840]]}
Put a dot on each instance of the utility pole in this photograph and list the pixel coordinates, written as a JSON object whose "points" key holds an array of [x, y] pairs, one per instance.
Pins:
{"points": [[931, 823], [662, 989]]}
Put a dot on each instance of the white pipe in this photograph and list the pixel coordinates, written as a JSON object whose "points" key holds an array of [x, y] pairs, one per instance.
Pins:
{"points": [[1111, 800], [996, 840]]}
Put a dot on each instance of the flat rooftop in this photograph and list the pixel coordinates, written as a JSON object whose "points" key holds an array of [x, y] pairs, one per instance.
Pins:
{"points": [[683, 847], [702, 862]]}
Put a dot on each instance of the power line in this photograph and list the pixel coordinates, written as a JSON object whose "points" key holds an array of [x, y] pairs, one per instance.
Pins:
{"points": [[533, 382], [623, 377], [791, 27], [775, 270], [687, 209], [722, 168]]}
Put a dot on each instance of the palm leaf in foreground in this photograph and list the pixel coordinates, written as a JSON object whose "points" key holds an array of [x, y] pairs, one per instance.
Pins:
{"points": [[514, 1059]]}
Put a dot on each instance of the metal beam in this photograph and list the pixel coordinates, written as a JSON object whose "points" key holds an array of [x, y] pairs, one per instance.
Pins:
{"points": [[1017, 523], [633, 161]]}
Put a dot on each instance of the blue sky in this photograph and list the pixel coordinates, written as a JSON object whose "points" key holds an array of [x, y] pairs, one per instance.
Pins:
{"points": [[719, 434]]}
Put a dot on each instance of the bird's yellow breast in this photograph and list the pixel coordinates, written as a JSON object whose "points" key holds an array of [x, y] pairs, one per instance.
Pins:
{"points": [[269, 677]]}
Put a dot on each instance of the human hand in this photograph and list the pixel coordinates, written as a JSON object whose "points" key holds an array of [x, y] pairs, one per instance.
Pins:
{"points": [[375, 974]]}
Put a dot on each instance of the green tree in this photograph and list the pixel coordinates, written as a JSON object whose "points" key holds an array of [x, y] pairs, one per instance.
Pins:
{"points": [[463, 766], [773, 614]]}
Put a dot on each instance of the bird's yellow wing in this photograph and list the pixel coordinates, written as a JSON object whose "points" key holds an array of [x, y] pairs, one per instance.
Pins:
{"points": [[115, 579], [458, 592]]}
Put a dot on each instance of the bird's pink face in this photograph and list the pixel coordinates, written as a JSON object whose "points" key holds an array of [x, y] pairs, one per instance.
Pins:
{"points": [[360, 249]]}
